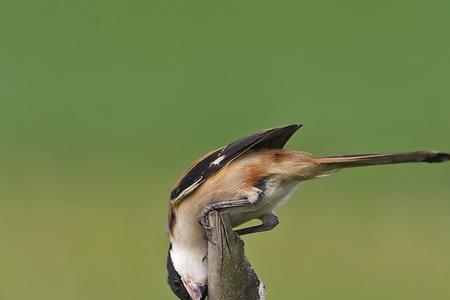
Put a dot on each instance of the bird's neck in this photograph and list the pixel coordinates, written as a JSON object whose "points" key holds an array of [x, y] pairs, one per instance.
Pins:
{"points": [[189, 247], [186, 230]]}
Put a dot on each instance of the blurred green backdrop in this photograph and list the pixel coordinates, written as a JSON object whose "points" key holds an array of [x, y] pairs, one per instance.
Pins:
{"points": [[105, 103]]}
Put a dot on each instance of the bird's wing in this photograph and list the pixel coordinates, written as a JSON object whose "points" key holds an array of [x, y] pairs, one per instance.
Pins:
{"points": [[212, 162]]}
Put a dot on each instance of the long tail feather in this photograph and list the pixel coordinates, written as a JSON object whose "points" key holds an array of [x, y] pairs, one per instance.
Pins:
{"points": [[359, 160]]}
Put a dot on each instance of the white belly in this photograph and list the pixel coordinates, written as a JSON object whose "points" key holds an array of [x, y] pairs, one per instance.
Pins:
{"points": [[281, 193], [276, 194]]}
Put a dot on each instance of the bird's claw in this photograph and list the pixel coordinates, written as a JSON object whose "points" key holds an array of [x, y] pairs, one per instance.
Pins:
{"points": [[209, 236], [204, 221]]}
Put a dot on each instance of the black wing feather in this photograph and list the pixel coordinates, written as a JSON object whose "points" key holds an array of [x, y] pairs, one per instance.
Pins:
{"points": [[273, 138]]}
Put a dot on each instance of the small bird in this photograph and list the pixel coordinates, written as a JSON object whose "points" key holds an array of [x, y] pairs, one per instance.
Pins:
{"points": [[248, 178]]}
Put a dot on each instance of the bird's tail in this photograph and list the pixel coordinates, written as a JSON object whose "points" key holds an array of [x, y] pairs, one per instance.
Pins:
{"points": [[331, 163]]}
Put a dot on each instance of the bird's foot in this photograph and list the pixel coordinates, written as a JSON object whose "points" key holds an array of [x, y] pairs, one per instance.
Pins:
{"points": [[204, 221]]}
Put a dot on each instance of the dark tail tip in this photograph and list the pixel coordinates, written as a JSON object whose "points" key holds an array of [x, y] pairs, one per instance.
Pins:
{"points": [[436, 157]]}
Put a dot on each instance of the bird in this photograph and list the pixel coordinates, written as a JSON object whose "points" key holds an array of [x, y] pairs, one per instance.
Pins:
{"points": [[248, 178]]}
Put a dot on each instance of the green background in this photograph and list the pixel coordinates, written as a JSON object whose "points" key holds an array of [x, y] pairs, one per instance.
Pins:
{"points": [[105, 103]]}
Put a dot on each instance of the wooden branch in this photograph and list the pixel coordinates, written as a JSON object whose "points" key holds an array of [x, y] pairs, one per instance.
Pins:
{"points": [[230, 275]]}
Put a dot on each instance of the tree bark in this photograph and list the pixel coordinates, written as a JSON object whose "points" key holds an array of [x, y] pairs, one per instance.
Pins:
{"points": [[230, 275]]}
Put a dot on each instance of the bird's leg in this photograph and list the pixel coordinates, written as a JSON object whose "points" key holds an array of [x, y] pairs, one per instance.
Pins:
{"points": [[269, 222], [203, 218], [250, 197]]}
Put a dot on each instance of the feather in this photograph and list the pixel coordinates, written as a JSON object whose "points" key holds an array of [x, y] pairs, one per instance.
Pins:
{"points": [[208, 165]]}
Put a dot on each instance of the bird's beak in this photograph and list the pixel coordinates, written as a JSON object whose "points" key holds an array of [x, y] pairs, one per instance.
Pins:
{"points": [[196, 291]]}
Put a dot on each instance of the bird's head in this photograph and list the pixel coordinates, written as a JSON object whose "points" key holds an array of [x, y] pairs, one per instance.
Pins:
{"points": [[187, 273]]}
